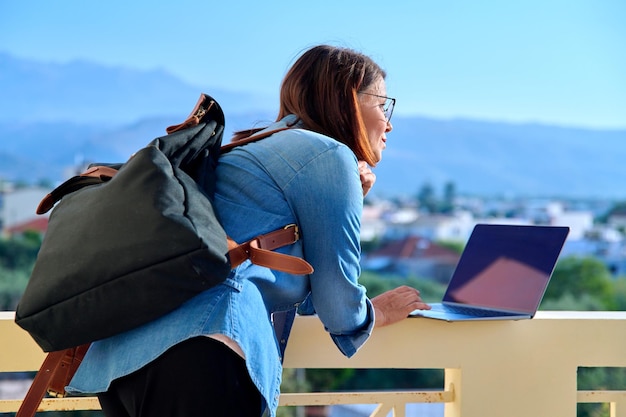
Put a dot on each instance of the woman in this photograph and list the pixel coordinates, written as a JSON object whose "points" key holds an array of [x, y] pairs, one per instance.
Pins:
{"points": [[218, 354]]}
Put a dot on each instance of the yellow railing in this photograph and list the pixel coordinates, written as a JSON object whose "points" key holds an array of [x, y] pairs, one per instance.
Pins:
{"points": [[492, 369]]}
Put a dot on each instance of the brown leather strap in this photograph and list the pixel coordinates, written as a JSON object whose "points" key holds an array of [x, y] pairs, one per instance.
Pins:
{"points": [[66, 370], [259, 251], [53, 376], [253, 138], [94, 175], [203, 105], [100, 171], [279, 261], [40, 384]]}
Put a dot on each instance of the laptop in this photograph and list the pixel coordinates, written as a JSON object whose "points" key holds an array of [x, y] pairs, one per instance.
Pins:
{"points": [[502, 274]]}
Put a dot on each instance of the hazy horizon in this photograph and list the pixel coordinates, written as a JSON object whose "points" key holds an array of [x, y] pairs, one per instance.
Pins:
{"points": [[558, 62]]}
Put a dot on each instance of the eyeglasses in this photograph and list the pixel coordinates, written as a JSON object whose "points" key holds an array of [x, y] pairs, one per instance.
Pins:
{"points": [[387, 106]]}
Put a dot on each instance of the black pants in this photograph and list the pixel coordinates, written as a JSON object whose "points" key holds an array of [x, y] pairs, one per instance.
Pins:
{"points": [[198, 377]]}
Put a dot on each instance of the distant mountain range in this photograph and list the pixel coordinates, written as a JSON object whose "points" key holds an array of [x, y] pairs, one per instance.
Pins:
{"points": [[54, 115]]}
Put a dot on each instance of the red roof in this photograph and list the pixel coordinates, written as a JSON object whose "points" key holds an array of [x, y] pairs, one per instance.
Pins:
{"points": [[413, 247], [36, 224]]}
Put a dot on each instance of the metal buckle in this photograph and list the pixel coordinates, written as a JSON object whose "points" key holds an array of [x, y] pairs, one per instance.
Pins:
{"points": [[296, 231]]}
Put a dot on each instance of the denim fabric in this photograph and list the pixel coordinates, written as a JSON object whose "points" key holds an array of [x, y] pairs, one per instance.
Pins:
{"points": [[295, 176]]}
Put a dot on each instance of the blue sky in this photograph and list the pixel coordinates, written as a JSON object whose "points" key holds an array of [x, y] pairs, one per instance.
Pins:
{"points": [[552, 61]]}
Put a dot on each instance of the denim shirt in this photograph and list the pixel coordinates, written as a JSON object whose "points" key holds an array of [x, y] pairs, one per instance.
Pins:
{"points": [[294, 176]]}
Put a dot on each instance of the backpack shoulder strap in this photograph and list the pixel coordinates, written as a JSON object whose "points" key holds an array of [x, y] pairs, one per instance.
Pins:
{"points": [[229, 146], [92, 176], [40, 384], [55, 373], [259, 251]]}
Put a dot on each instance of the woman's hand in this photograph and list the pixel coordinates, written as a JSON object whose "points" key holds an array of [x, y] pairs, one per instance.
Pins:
{"points": [[395, 305], [368, 178]]}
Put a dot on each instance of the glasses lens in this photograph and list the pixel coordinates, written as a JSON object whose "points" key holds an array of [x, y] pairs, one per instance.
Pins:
{"points": [[389, 108]]}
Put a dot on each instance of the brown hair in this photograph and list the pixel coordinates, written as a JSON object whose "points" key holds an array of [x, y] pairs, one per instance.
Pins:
{"points": [[321, 90]]}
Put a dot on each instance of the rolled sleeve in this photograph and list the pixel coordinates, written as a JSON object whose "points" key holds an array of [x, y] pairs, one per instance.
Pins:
{"points": [[349, 344]]}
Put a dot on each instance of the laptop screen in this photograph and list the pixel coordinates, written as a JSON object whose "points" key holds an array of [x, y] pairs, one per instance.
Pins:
{"points": [[506, 267]]}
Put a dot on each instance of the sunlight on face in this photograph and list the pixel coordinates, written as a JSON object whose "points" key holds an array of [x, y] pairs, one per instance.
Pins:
{"points": [[372, 102]]}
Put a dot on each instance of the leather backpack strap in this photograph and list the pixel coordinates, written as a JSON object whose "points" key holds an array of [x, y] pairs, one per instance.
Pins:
{"points": [[278, 261], [40, 384], [94, 175], [55, 373], [201, 108], [283, 322], [259, 251], [253, 138], [66, 370]]}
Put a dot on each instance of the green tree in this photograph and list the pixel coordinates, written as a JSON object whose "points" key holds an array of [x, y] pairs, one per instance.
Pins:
{"points": [[427, 198], [585, 283], [17, 257], [449, 197], [618, 208], [619, 293], [20, 251], [454, 245], [12, 285], [579, 277]]}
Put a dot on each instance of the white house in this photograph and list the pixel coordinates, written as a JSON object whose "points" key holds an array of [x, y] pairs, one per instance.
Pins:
{"points": [[18, 205]]}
